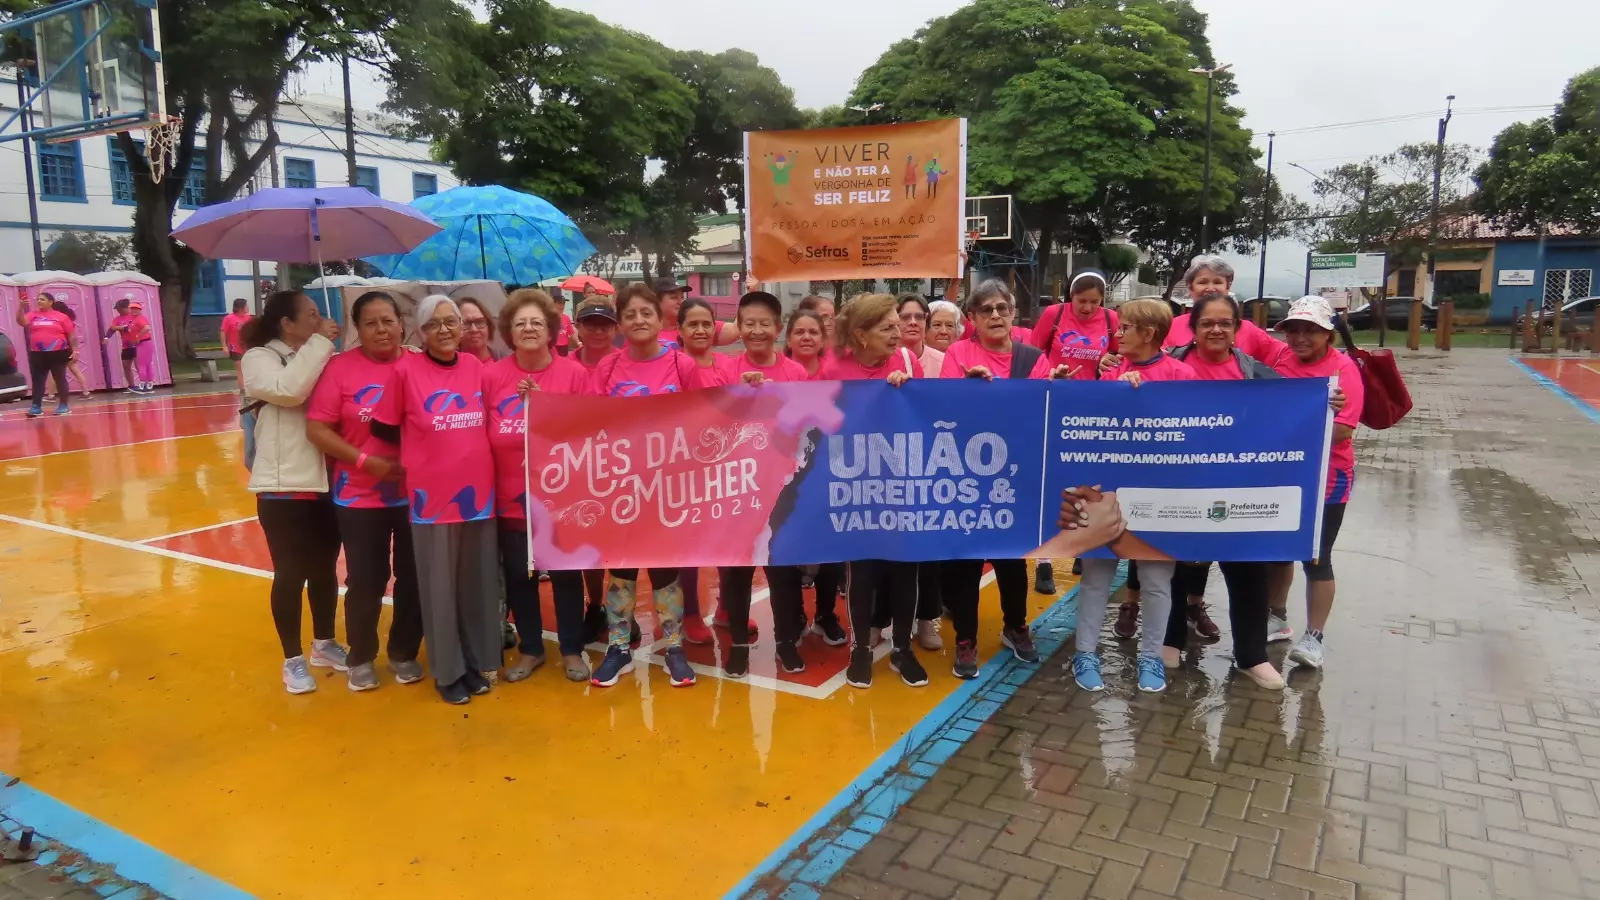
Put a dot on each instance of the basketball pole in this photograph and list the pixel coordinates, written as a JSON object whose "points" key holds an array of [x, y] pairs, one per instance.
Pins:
{"points": [[27, 162]]}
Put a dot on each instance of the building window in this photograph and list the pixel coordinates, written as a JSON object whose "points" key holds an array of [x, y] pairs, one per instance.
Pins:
{"points": [[423, 185], [299, 173], [367, 177], [716, 285], [60, 172], [1561, 285], [207, 298], [194, 186], [1456, 283], [1406, 283], [122, 173]]}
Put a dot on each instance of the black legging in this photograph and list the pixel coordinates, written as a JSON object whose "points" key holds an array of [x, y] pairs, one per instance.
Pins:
{"points": [[522, 597], [303, 541], [896, 581], [54, 364], [368, 535], [1247, 609], [783, 589], [930, 594], [962, 579]]}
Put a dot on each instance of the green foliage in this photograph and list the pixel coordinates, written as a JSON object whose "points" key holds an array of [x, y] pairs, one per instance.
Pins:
{"points": [[85, 252], [1118, 261], [1472, 301], [1547, 172]]}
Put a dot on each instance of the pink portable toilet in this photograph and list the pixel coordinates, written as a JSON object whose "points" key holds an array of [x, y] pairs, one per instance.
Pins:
{"points": [[109, 287], [8, 321], [78, 294]]}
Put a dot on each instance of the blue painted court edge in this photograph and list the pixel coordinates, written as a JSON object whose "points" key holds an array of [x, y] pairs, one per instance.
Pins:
{"points": [[1572, 399]]}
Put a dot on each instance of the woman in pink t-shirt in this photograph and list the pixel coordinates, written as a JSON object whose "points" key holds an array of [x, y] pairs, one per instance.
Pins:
{"points": [[1310, 354], [50, 337], [869, 349], [644, 366], [1213, 274], [477, 330], [697, 336], [804, 340], [944, 324], [432, 411], [826, 313], [529, 320], [913, 311], [369, 494], [1081, 331]]}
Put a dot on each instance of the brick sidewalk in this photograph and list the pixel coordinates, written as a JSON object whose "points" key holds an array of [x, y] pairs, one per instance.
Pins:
{"points": [[1451, 748]]}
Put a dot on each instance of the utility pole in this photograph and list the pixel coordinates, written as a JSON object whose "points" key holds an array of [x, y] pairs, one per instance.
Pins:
{"points": [[1366, 200], [27, 160], [1438, 173], [1205, 190], [349, 124], [1266, 218], [281, 269]]}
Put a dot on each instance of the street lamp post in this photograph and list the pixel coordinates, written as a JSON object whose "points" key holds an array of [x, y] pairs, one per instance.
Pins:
{"points": [[1266, 218], [1205, 190]]}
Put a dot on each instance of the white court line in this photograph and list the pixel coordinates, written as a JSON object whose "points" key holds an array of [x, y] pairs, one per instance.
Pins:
{"points": [[178, 534], [109, 409], [140, 548], [176, 437]]}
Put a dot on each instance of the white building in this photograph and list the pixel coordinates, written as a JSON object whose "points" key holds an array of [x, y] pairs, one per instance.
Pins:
{"points": [[85, 185]]}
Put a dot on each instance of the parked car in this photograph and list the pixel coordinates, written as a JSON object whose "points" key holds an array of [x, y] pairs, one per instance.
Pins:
{"points": [[13, 384], [1576, 315], [1277, 309], [1396, 312]]}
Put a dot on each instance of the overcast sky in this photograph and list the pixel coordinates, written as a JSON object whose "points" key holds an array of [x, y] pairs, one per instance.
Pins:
{"points": [[1298, 63]]}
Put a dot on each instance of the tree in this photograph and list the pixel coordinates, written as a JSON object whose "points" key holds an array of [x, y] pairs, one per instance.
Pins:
{"points": [[1118, 261], [86, 252], [1547, 172]]}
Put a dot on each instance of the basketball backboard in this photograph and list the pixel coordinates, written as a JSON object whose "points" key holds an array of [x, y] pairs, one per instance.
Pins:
{"points": [[97, 69], [990, 217]]}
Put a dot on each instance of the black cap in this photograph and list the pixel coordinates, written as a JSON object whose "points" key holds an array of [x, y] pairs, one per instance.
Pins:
{"points": [[667, 285], [597, 311]]}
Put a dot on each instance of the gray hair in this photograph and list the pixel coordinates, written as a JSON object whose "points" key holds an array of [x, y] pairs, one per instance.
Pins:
{"points": [[430, 304], [939, 306], [992, 287], [1208, 263]]}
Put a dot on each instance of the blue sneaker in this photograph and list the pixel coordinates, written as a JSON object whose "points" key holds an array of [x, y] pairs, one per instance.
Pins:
{"points": [[62, 410], [1152, 675], [34, 411], [679, 672], [1086, 671], [617, 663]]}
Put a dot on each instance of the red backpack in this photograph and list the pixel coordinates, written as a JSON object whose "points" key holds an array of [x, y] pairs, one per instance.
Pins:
{"points": [[1387, 399]]}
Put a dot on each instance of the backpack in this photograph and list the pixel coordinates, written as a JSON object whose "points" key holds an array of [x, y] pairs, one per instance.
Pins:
{"points": [[247, 416], [1023, 359], [1387, 398]]}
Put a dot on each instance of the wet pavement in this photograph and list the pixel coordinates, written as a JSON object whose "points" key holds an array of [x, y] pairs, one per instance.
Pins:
{"points": [[1450, 749]]}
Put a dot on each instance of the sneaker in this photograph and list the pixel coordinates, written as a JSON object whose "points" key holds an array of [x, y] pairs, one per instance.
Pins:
{"points": [[594, 625], [1127, 624], [910, 668], [329, 655], [695, 631], [789, 657], [1086, 672], [1200, 619], [1278, 629], [544, 577], [408, 672], [455, 693], [34, 412], [62, 410], [927, 632], [1269, 680], [508, 635], [363, 678], [720, 620], [737, 665], [679, 672], [474, 681], [859, 674], [1077, 567], [1152, 674], [617, 663], [1044, 578], [1308, 652], [1020, 640], [966, 665], [296, 677], [875, 636], [525, 666], [831, 632]]}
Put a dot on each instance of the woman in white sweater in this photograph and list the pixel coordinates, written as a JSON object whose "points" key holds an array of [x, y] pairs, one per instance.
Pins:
{"points": [[287, 347]]}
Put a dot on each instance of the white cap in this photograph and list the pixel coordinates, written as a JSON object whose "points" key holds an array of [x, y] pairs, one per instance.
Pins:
{"points": [[1311, 309]]}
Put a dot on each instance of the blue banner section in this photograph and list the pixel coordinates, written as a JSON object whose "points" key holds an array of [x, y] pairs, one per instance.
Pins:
{"points": [[967, 469]]}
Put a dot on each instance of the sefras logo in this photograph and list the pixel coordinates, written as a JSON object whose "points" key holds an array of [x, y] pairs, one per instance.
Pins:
{"points": [[443, 401], [796, 253]]}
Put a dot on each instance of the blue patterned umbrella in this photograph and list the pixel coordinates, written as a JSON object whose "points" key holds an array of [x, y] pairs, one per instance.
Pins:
{"points": [[491, 233]]}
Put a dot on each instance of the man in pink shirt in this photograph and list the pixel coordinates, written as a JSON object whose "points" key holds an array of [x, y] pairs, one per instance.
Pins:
{"points": [[134, 330], [232, 324]]}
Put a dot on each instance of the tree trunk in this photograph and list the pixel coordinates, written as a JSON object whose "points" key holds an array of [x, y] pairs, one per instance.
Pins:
{"points": [[838, 293], [644, 266], [666, 261], [1047, 235]]}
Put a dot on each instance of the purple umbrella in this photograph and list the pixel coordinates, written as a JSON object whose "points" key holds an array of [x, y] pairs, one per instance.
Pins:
{"points": [[305, 225]]}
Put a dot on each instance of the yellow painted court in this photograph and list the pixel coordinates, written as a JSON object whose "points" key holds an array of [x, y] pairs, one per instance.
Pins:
{"points": [[139, 686]]}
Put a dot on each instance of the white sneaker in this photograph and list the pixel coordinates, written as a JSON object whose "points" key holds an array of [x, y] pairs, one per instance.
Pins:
{"points": [[296, 677], [928, 634], [876, 637], [329, 655], [1308, 652], [363, 678], [1278, 629]]}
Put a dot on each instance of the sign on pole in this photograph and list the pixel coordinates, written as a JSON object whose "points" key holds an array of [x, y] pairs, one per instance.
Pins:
{"points": [[1337, 276], [879, 201]]}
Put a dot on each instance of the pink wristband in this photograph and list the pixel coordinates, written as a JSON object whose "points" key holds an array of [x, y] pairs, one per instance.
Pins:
{"points": [[361, 461]]}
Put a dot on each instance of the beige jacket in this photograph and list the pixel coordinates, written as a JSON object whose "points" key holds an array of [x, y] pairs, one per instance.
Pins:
{"points": [[285, 459]]}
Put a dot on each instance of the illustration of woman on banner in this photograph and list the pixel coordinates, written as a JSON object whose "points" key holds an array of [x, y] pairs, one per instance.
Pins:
{"points": [[911, 177], [934, 172], [780, 167]]}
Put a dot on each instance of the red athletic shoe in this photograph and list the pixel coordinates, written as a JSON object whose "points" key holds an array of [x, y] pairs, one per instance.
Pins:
{"points": [[721, 621], [695, 630]]}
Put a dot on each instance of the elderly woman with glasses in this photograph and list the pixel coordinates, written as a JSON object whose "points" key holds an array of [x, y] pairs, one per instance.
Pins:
{"points": [[944, 324], [432, 410], [477, 330]]}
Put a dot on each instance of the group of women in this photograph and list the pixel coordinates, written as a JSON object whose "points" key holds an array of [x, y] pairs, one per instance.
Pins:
{"points": [[412, 460]]}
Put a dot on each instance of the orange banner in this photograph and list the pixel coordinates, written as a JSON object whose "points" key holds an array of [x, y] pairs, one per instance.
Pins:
{"points": [[879, 201]]}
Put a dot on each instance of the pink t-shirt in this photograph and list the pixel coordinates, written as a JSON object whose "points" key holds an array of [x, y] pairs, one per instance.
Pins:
{"points": [[1255, 343], [784, 369], [669, 336], [669, 372], [508, 424], [839, 367], [232, 323], [1342, 455], [964, 355], [48, 330], [1227, 370], [1159, 368], [444, 438], [566, 333], [349, 390], [135, 329], [578, 357], [722, 371], [1077, 342]]}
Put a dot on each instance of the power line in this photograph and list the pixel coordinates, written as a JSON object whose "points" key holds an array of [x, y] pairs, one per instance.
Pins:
{"points": [[1411, 117]]}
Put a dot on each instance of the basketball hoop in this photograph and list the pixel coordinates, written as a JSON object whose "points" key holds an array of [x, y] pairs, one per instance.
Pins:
{"points": [[161, 145]]}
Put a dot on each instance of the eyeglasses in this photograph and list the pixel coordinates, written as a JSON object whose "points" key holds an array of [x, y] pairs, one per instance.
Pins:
{"points": [[1216, 325], [474, 324], [530, 325], [993, 309], [913, 318], [450, 324]]}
